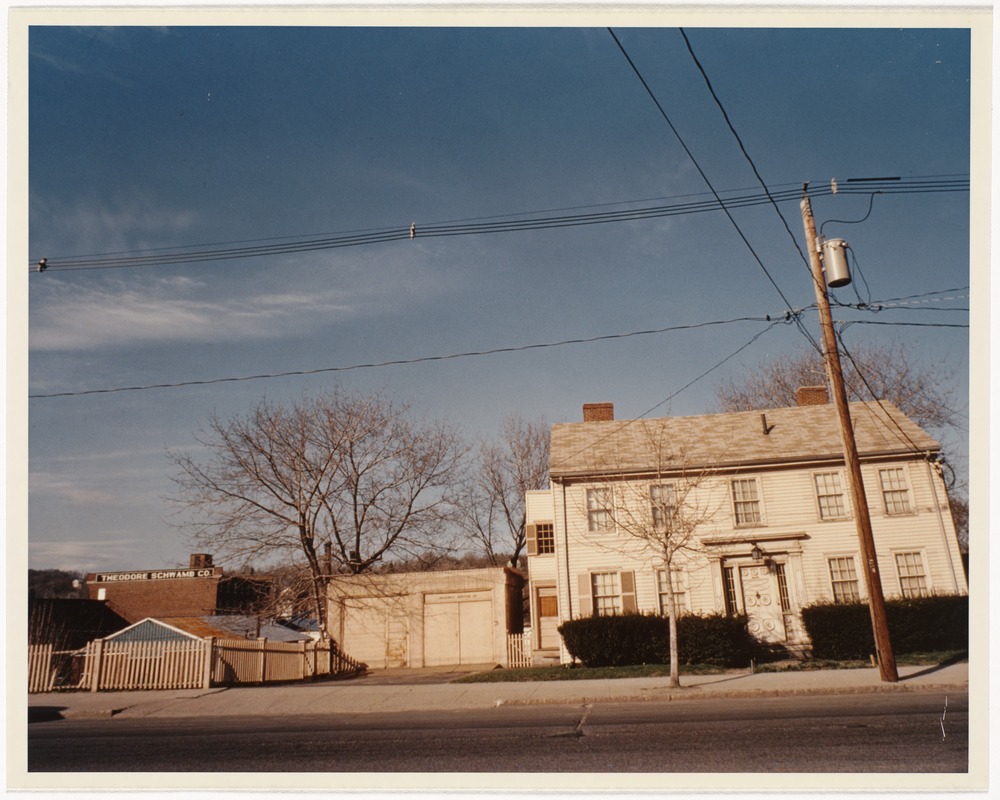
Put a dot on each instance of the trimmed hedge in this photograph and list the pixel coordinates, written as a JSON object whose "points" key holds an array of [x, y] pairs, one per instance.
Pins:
{"points": [[917, 624], [627, 639]]}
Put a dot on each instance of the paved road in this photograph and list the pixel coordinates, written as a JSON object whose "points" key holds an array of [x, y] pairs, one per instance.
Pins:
{"points": [[846, 733]]}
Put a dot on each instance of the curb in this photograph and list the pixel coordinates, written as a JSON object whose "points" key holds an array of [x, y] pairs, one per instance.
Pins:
{"points": [[693, 693]]}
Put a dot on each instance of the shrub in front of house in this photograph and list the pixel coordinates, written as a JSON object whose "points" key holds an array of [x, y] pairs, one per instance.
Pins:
{"points": [[917, 624], [615, 641], [714, 639], [628, 639]]}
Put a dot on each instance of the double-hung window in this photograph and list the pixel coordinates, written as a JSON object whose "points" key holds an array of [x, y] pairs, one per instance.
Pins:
{"points": [[746, 502], [607, 593], [912, 578], [844, 580], [663, 502], [830, 495], [895, 490], [599, 505]]}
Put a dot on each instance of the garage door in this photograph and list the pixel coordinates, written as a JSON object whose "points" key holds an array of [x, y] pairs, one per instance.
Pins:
{"points": [[374, 635], [458, 628]]}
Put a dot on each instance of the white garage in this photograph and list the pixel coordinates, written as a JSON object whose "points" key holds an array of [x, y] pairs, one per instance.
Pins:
{"points": [[426, 619]]}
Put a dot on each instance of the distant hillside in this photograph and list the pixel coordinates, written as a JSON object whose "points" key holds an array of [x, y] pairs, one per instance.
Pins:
{"points": [[55, 584]]}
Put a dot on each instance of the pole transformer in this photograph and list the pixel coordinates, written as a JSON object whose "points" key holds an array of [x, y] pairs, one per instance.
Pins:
{"points": [[873, 581]]}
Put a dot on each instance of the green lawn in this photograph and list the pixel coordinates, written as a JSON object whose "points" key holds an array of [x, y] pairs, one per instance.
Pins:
{"points": [[560, 673]]}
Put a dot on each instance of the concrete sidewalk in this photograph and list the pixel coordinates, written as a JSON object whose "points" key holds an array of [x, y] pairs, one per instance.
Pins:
{"points": [[421, 691]]}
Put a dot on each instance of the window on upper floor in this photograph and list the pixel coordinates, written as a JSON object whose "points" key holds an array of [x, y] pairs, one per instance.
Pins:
{"points": [[663, 503], [844, 580], [545, 539], [895, 490], [599, 505], [746, 502], [830, 495], [912, 578]]}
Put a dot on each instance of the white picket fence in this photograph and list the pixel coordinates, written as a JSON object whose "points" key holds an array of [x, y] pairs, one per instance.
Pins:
{"points": [[191, 664], [518, 650]]}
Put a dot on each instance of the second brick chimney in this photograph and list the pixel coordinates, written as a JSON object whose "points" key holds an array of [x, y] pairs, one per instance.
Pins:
{"points": [[598, 412], [811, 396]]}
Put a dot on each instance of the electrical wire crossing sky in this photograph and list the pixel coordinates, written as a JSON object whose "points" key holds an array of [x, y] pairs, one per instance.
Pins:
{"points": [[477, 221]]}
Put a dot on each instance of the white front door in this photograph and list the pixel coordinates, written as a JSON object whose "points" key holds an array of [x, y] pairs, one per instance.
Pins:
{"points": [[762, 604]]}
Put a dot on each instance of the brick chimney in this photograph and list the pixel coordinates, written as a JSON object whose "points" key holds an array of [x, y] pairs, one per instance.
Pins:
{"points": [[811, 396], [598, 412], [201, 561]]}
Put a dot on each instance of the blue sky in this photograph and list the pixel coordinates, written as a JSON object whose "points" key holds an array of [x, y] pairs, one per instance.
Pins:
{"points": [[170, 137]]}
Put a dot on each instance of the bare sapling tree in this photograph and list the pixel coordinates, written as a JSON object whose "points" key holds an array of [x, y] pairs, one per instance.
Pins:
{"points": [[339, 482], [663, 513], [491, 499]]}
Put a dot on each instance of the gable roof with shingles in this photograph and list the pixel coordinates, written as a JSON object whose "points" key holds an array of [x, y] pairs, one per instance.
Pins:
{"points": [[731, 440], [233, 626]]}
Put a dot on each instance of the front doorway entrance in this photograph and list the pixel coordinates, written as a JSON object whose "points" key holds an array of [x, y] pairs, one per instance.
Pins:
{"points": [[548, 618], [762, 603]]}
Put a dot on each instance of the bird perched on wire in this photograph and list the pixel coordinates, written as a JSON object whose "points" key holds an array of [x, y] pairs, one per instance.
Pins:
{"points": [[43, 265], [413, 229]]}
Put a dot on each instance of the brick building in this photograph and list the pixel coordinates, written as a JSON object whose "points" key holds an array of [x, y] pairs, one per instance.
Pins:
{"points": [[200, 590]]}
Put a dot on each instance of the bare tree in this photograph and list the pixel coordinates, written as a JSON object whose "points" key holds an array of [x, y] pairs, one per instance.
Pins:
{"points": [[662, 513], [491, 500], [871, 372], [341, 481]]}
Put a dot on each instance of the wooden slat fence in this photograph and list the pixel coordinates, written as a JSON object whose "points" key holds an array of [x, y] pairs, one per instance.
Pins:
{"points": [[41, 670], [193, 664], [261, 661], [518, 650], [145, 665]]}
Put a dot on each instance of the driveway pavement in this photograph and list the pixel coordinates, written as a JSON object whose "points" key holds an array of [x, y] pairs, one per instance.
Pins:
{"points": [[436, 689]]}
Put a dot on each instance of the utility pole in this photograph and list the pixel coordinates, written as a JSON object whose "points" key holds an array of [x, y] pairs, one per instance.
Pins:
{"points": [[873, 581]]}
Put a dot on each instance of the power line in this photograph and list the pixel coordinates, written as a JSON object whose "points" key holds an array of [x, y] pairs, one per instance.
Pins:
{"points": [[697, 166], [743, 149], [398, 362], [284, 245], [900, 434], [701, 172], [848, 323]]}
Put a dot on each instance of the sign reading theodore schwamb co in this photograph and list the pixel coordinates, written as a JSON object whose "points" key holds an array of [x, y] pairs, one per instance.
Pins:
{"points": [[152, 575]]}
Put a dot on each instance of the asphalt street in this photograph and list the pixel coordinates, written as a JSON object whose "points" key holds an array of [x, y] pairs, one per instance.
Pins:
{"points": [[904, 732]]}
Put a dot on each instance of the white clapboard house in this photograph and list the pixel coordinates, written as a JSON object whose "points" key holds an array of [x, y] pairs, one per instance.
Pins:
{"points": [[759, 512]]}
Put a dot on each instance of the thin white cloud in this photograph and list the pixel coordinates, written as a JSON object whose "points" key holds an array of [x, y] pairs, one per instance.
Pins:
{"points": [[59, 488], [67, 318], [74, 67], [87, 556]]}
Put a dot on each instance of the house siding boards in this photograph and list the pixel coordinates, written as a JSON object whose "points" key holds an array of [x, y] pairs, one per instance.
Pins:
{"points": [[782, 451]]}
